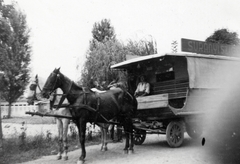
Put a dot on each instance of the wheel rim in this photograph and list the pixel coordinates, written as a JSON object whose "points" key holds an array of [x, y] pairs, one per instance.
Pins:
{"points": [[139, 137], [175, 134]]}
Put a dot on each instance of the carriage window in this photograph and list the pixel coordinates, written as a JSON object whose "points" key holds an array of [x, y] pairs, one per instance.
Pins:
{"points": [[164, 70], [165, 76]]}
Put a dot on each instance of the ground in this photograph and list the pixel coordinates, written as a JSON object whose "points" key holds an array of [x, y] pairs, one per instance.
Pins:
{"points": [[223, 147], [154, 150]]}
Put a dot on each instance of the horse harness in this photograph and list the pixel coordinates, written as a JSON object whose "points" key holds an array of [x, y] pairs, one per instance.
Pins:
{"points": [[85, 106]]}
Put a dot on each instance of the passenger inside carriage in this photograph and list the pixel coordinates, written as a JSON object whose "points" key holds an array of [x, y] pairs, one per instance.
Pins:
{"points": [[143, 88]]}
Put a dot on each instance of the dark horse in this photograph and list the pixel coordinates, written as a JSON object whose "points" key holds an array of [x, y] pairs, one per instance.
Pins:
{"points": [[87, 106]]}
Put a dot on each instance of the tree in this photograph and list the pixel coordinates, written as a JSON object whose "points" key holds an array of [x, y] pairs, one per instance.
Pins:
{"points": [[142, 47], [224, 36], [97, 65], [1, 134], [105, 50], [103, 31], [14, 53]]}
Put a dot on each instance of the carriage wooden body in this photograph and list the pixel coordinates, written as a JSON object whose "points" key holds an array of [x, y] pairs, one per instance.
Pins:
{"points": [[182, 87]]}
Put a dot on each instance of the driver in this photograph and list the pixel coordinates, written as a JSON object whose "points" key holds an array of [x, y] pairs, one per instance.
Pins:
{"points": [[143, 88]]}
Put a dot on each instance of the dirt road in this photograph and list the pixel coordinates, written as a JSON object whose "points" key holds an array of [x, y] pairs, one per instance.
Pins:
{"points": [[154, 150]]}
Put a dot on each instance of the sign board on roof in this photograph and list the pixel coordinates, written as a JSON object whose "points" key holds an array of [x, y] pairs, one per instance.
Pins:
{"points": [[200, 47]]}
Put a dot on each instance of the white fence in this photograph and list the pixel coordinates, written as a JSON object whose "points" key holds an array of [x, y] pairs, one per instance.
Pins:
{"points": [[18, 109]]}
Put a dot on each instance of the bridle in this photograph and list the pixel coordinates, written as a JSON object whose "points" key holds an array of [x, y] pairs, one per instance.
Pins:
{"points": [[51, 88]]}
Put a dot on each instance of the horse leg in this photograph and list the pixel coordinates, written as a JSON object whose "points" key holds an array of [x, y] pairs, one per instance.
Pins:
{"points": [[112, 132], [119, 133], [81, 124], [131, 150], [105, 137], [128, 128], [102, 137], [125, 150], [60, 138], [65, 141]]}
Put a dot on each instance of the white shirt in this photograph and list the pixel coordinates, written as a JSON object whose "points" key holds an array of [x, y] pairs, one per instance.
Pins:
{"points": [[143, 87]]}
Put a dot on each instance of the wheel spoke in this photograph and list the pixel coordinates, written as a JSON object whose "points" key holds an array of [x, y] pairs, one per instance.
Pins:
{"points": [[175, 134]]}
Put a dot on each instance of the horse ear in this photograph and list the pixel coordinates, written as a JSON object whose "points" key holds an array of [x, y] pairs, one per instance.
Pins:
{"points": [[58, 70], [36, 78]]}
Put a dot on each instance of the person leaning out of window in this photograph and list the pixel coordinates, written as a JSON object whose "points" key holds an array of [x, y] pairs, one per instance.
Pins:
{"points": [[143, 88]]}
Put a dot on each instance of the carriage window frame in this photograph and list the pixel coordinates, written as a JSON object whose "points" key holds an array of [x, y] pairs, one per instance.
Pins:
{"points": [[165, 70]]}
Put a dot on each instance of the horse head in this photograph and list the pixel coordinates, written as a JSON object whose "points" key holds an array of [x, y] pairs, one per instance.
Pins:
{"points": [[31, 95], [53, 82], [33, 84]]}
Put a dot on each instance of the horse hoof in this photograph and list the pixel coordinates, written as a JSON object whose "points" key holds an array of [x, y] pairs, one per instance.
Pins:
{"points": [[80, 162], [65, 158], [130, 151], [125, 151], [59, 157], [104, 149]]}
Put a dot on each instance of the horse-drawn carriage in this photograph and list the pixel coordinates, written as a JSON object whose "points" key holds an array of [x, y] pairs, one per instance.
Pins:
{"points": [[182, 87], [181, 91]]}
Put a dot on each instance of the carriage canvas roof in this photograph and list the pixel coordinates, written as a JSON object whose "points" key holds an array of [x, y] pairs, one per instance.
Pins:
{"points": [[125, 64]]}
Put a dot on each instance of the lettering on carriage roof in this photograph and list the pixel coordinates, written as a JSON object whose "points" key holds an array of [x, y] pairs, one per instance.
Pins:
{"points": [[200, 47]]}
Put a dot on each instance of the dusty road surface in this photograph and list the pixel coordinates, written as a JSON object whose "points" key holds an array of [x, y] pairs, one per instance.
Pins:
{"points": [[154, 150]]}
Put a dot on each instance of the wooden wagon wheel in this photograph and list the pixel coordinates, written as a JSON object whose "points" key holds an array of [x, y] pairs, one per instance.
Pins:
{"points": [[175, 134], [194, 131], [139, 136]]}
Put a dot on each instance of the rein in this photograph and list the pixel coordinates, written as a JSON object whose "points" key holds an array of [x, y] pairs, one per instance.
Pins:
{"points": [[64, 96], [39, 87]]}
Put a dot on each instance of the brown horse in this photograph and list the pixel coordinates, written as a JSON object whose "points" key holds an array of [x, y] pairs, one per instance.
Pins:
{"points": [[94, 108]]}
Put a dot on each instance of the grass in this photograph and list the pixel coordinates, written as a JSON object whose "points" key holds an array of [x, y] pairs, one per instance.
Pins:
{"points": [[17, 151], [21, 148]]}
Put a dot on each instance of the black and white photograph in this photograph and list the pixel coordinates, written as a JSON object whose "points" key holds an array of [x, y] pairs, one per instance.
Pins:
{"points": [[119, 82]]}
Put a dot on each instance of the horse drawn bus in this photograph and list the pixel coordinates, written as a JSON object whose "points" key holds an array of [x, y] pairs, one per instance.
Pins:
{"points": [[181, 87]]}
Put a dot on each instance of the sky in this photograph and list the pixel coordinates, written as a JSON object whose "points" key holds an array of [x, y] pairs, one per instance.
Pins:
{"points": [[61, 29]]}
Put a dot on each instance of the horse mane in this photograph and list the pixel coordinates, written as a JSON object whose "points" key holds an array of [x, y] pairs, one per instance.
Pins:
{"points": [[74, 83]]}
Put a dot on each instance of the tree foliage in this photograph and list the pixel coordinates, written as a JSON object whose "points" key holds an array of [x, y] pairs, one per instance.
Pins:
{"points": [[14, 52], [103, 31], [224, 36], [142, 47], [105, 50], [97, 65]]}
